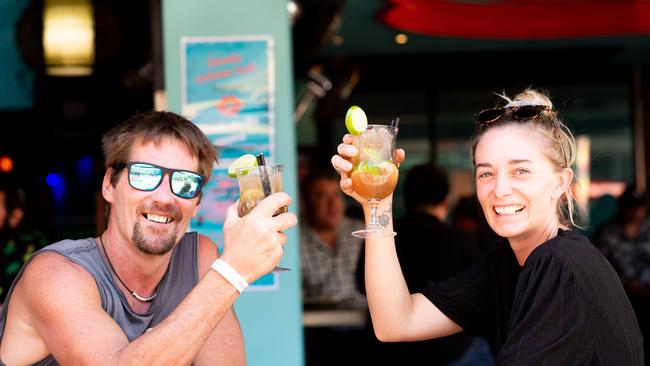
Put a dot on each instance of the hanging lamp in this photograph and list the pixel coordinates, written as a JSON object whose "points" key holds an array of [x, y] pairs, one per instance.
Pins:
{"points": [[68, 37]]}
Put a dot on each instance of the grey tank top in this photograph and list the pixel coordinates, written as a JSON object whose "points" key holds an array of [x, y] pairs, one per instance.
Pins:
{"points": [[180, 278]]}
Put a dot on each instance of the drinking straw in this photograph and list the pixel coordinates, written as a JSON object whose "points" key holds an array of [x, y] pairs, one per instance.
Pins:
{"points": [[395, 123], [264, 175]]}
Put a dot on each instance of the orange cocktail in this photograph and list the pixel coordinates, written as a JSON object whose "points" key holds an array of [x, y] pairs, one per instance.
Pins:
{"points": [[375, 182], [374, 174]]}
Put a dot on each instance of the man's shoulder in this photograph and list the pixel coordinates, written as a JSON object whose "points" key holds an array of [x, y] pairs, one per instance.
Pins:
{"points": [[50, 293], [68, 253], [71, 246], [51, 275]]}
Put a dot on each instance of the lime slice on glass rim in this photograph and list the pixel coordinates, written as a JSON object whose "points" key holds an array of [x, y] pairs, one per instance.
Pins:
{"points": [[356, 120], [244, 161]]}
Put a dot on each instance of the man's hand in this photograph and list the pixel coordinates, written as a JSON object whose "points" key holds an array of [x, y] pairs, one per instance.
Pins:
{"points": [[254, 244]]}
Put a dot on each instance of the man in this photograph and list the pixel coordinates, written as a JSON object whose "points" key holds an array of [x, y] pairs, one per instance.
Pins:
{"points": [[329, 254], [145, 291]]}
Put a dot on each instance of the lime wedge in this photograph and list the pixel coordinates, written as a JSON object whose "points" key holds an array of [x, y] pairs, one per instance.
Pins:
{"points": [[244, 161], [368, 169], [356, 120]]}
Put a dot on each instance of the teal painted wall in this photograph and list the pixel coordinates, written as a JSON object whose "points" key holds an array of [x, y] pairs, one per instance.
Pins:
{"points": [[16, 79], [271, 321]]}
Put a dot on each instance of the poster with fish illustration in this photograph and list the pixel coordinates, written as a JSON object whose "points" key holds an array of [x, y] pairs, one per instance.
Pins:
{"points": [[227, 90]]}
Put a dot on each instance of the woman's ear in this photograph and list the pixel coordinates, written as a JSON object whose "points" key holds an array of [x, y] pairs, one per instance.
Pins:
{"points": [[564, 179]]}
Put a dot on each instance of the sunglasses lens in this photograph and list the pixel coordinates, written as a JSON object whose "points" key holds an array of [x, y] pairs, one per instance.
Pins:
{"points": [[528, 111], [186, 184], [144, 177], [489, 115]]}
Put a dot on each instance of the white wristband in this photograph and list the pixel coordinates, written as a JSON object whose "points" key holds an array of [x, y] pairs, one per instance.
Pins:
{"points": [[230, 274]]}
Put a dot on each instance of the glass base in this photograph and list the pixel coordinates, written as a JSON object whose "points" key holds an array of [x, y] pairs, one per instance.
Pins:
{"points": [[375, 233]]}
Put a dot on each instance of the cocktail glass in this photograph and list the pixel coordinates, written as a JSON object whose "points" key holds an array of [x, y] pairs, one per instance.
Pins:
{"points": [[374, 173], [255, 183]]}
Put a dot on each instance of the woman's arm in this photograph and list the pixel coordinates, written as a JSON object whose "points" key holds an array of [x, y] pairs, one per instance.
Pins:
{"points": [[396, 314]]}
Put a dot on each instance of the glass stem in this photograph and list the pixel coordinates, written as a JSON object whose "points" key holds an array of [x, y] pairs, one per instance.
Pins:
{"points": [[374, 222]]}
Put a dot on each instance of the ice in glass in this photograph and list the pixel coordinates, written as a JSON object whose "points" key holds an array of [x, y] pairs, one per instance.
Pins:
{"points": [[251, 186]]}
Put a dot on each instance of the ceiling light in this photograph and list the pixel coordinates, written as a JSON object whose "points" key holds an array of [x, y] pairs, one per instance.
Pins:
{"points": [[401, 38], [68, 37]]}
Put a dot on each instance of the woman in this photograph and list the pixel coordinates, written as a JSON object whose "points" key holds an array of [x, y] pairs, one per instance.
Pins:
{"points": [[543, 296]]}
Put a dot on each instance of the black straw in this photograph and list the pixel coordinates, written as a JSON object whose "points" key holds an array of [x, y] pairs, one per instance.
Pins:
{"points": [[395, 123], [264, 175]]}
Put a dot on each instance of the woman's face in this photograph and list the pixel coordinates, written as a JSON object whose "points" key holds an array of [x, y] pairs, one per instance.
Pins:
{"points": [[517, 185]]}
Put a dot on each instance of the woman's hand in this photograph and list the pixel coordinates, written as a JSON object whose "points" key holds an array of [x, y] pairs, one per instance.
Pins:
{"points": [[342, 162]]}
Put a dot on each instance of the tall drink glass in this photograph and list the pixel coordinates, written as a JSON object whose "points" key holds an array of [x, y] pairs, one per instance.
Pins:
{"points": [[374, 173], [255, 183]]}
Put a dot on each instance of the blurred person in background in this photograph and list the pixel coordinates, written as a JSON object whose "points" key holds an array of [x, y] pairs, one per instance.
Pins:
{"points": [[329, 254], [18, 238], [625, 241]]}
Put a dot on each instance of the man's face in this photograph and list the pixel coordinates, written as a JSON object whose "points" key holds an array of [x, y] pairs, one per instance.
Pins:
{"points": [[325, 204], [153, 220]]}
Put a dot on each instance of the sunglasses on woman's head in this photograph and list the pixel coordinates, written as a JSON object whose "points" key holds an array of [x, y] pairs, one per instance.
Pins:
{"points": [[518, 113], [147, 177]]}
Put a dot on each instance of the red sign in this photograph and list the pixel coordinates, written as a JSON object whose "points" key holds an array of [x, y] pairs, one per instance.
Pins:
{"points": [[520, 19]]}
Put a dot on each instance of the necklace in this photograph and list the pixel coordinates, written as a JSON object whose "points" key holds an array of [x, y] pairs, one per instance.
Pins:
{"points": [[133, 293]]}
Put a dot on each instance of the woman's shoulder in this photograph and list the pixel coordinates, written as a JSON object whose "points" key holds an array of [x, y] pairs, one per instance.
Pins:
{"points": [[571, 253], [568, 244]]}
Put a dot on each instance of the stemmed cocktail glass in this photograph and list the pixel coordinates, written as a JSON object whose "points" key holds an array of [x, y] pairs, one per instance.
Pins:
{"points": [[374, 174]]}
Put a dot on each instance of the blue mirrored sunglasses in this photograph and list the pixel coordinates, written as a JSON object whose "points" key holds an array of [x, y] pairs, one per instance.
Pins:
{"points": [[147, 177]]}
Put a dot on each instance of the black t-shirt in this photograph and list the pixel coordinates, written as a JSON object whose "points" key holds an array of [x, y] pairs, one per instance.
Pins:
{"points": [[450, 252], [565, 306]]}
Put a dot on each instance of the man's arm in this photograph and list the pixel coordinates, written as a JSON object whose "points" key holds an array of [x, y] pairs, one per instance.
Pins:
{"points": [[64, 317], [225, 346]]}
